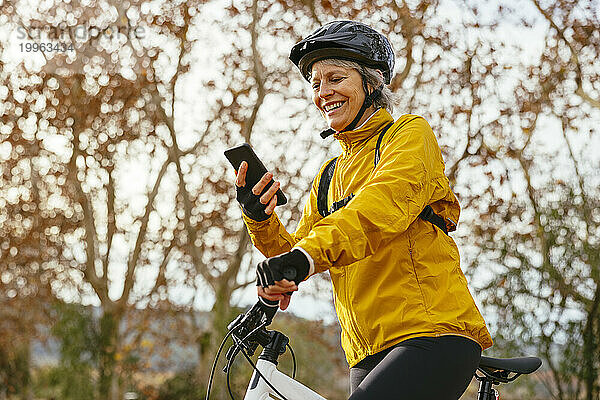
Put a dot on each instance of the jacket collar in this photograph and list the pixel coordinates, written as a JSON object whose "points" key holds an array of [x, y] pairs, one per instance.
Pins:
{"points": [[350, 139]]}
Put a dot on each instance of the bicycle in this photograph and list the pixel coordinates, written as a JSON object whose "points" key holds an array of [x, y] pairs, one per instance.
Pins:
{"points": [[248, 331]]}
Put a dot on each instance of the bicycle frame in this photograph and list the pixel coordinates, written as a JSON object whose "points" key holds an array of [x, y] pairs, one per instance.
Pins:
{"points": [[258, 389]]}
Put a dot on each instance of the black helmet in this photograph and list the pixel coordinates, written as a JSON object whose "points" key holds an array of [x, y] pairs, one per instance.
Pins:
{"points": [[348, 40]]}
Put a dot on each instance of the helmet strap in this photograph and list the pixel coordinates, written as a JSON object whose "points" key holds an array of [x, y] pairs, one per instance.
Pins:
{"points": [[367, 102]]}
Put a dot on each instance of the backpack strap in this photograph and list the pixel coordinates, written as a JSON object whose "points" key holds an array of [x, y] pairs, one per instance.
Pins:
{"points": [[324, 183], [427, 214], [327, 175], [378, 145]]}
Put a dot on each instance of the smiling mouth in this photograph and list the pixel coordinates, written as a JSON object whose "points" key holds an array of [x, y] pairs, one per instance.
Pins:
{"points": [[334, 106]]}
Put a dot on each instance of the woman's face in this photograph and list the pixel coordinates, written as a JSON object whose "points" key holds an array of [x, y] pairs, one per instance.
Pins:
{"points": [[338, 93]]}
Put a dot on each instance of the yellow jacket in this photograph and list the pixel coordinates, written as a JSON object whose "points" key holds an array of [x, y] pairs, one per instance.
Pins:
{"points": [[394, 275]]}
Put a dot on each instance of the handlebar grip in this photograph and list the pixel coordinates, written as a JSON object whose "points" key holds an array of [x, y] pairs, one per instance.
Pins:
{"points": [[269, 307]]}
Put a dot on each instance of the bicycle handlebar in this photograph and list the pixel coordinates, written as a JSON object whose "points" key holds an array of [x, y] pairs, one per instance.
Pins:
{"points": [[248, 329], [269, 307]]}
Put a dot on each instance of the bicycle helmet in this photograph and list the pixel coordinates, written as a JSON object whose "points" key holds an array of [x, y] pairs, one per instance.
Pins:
{"points": [[347, 40]]}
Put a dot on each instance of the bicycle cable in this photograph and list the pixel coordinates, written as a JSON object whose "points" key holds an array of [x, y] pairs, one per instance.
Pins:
{"points": [[294, 361], [243, 351], [229, 365], [239, 345]]}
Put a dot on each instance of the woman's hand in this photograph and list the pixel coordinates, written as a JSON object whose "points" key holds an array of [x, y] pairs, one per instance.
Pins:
{"points": [[277, 277], [256, 206], [281, 291]]}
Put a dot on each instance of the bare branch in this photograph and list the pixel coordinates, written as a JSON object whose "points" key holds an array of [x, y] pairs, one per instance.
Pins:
{"points": [[201, 135], [160, 279], [182, 35], [416, 86], [574, 58], [230, 274], [111, 223], [187, 203], [243, 285], [565, 289], [91, 248], [399, 79], [258, 70], [453, 170], [135, 255], [581, 93], [409, 23], [529, 131], [313, 11], [586, 208]]}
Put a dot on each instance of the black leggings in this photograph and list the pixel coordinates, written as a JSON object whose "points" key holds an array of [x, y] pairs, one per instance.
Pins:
{"points": [[424, 368]]}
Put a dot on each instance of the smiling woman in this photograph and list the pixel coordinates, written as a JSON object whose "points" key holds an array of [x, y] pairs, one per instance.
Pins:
{"points": [[377, 219]]}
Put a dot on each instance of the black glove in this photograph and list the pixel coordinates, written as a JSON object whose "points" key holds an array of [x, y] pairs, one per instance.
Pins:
{"points": [[251, 204], [293, 266]]}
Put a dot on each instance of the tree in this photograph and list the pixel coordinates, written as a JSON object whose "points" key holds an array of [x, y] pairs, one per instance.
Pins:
{"points": [[68, 126], [536, 222]]}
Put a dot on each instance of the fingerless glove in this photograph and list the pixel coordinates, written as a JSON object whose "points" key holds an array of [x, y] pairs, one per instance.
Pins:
{"points": [[251, 205], [293, 266]]}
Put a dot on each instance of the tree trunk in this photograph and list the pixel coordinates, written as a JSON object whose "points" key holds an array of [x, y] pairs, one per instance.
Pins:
{"points": [[209, 341], [108, 344]]}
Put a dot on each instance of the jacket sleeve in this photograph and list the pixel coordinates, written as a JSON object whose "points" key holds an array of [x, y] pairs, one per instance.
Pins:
{"points": [[270, 236], [409, 176]]}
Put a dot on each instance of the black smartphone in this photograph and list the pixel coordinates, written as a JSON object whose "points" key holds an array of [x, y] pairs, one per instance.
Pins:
{"points": [[256, 168]]}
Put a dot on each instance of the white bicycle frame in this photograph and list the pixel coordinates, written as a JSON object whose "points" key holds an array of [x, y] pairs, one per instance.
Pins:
{"points": [[291, 389]]}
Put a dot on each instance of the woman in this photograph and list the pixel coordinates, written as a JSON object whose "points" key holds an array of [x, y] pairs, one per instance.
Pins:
{"points": [[410, 327]]}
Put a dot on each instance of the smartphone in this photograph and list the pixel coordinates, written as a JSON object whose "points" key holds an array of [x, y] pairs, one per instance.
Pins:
{"points": [[256, 168]]}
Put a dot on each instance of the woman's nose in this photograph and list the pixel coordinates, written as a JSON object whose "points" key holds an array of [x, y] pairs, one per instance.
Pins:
{"points": [[325, 90]]}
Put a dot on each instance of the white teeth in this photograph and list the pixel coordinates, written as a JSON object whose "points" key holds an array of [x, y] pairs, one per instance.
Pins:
{"points": [[333, 106]]}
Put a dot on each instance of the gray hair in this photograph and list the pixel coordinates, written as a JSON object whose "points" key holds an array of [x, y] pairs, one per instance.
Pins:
{"points": [[370, 76]]}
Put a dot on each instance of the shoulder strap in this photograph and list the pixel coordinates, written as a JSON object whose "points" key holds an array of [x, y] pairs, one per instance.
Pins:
{"points": [[324, 183], [378, 145]]}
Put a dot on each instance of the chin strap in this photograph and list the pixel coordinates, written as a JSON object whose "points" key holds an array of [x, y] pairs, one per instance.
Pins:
{"points": [[368, 102], [326, 133]]}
